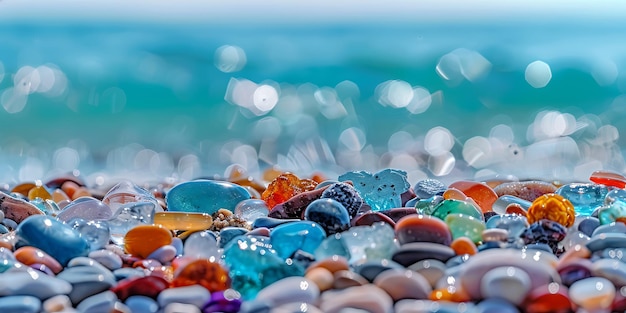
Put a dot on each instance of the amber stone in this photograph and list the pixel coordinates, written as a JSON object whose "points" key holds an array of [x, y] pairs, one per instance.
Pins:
{"points": [[552, 207], [463, 245], [417, 227], [334, 264], [209, 274], [142, 240], [550, 298], [30, 255], [608, 178], [482, 194], [39, 192], [285, 186], [23, 188], [183, 220], [59, 195]]}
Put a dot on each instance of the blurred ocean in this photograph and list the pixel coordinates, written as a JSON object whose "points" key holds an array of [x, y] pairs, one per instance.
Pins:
{"points": [[529, 99]]}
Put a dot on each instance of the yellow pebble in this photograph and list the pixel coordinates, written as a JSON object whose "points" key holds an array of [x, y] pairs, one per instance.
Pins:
{"points": [[552, 207], [39, 192]]}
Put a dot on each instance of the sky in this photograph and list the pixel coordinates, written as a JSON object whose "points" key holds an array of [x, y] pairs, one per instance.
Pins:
{"points": [[306, 11]]}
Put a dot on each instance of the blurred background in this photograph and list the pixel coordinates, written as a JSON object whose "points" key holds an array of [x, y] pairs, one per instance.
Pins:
{"points": [[447, 89]]}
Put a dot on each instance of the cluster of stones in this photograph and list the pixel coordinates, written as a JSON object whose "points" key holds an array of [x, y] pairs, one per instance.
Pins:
{"points": [[361, 243]]}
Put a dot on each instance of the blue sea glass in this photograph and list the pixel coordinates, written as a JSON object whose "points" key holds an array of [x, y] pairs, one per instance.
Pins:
{"points": [[96, 233], [291, 237], [609, 213], [515, 224], [382, 190], [205, 196], [584, 197]]}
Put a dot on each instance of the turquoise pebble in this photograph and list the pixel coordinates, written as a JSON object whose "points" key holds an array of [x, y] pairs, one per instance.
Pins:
{"points": [[383, 190], [254, 264], [107, 258], [451, 206], [51, 236], [229, 233], [163, 254], [331, 246], [291, 237], [20, 304], [585, 197], [31, 283], [427, 205], [142, 304], [205, 196], [609, 213], [270, 222], [100, 303], [195, 294]]}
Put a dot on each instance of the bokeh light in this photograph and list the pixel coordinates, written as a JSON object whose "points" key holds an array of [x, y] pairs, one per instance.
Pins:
{"points": [[538, 74]]}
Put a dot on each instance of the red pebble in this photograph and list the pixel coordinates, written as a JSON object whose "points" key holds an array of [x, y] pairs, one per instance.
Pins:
{"points": [[149, 286], [418, 228], [370, 218], [608, 179], [548, 298]]}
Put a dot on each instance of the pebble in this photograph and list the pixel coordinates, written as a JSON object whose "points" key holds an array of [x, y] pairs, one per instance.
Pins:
{"points": [[207, 273], [205, 196], [58, 303], [30, 255], [143, 240], [368, 297], [31, 283], [593, 294], [194, 295], [331, 215], [417, 228], [411, 253], [507, 282], [527, 190], [142, 304], [20, 304], [99, 303], [290, 289], [181, 308], [427, 188], [288, 238], [403, 284], [482, 194], [87, 208], [17, 209]]}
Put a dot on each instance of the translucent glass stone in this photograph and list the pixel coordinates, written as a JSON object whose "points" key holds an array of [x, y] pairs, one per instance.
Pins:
{"points": [[96, 233], [610, 213], [456, 207], [126, 192], [514, 223], [465, 226], [251, 209], [128, 216], [202, 244], [381, 190], [584, 197], [374, 242], [87, 208], [288, 238]]}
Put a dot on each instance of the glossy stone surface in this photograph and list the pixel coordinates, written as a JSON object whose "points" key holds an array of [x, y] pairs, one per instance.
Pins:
{"points": [[368, 298], [128, 216], [254, 264], [31, 255], [142, 304], [508, 282], [427, 188], [290, 289], [345, 194], [610, 213], [608, 178], [552, 207], [228, 301], [205, 196], [87, 280], [144, 239], [51, 236], [482, 194], [585, 197], [411, 253], [463, 245], [288, 238], [461, 225], [149, 286], [451, 206], [552, 297], [527, 190], [403, 284], [504, 201], [381, 190], [87, 208], [209, 274], [370, 218], [331, 215], [202, 244], [373, 242], [593, 294], [193, 294], [102, 302], [284, 187], [415, 228], [30, 283], [183, 220], [96, 232], [20, 304], [251, 209], [126, 192], [546, 232], [17, 209]]}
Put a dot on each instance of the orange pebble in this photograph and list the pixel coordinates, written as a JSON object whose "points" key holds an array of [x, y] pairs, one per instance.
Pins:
{"points": [[142, 240], [39, 192], [481, 193], [455, 194], [204, 272], [609, 179], [463, 245], [81, 192], [333, 264], [450, 293], [69, 187], [552, 207], [23, 188], [515, 208], [59, 195], [30, 255], [6, 245]]}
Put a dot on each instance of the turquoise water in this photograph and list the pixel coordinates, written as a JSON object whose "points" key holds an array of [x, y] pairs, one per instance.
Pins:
{"points": [[154, 100]]}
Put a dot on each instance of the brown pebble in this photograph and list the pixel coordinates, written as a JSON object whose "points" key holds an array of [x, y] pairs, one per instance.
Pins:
{"points": [[369, 218], [527, 190], [322, 277], [345, 279], [17, 209], [334, 264], [403, 284]]}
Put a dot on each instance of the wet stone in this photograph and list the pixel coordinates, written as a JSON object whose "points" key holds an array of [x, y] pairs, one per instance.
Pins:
{"points": [[96, 232], [588, 225], [506, 282], [142, 304], [371, 269], [204, 272], [331, 215], [345, 194], [593, 294], [20, 304], [205, 196], [546, 232], [482, 194], [30, 283], [450, 206], [418, 228], [427, 188], [382, 191], [584, 197], [288, 238], [102, 302], [427, 206], [606, 240], [269, 222], [229, 233], [87, 281], [527, 190], [374, 242], [194, 294], [403, 284], [411, 253], [371, 218], [228, 301], [149, 286], [128, 216], [290, 289], [396, 214], [142, 240], [87, 208]]}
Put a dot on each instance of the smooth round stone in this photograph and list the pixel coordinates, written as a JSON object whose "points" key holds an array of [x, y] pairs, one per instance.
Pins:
{"points": [[584, 196], [201, 244], [304, 235], [611, 269], [60, 303], [574, 238], [51, 236], [205, 196], [610, 213], [142, 240], [194, 295], [461, 225], [609, 228], [395, 214], [538, 265], [506, 282], [411, 253], [270, 222], [422, 228], [87, 208], [204, 272], [544, 231], [428, 306], [504, 201], [227, 301], [403, 284], [102, 302], [548, 298], [495, 305], [149, 286], [371, 269], [495, 234], [183, 220], [482, 194], [261, 231], [296, 307], [32, 255], [574, 270], [87, 281], [20, 304], [608, 178], [431, 269], [593, 294], [229, 233], [427, 205], [177, 243], [163, 254], [97, 233], [142, 304], [252, 209], [322, 277], [453, 206], [180, 308], [427, 188], [369, 298], [31, 283], [127, 273], [606, 240], [346, 279], [290, 289], [333, 264], [107, 258], [527, 190], [331, 215]]}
